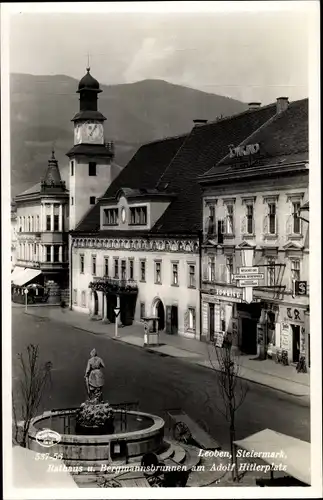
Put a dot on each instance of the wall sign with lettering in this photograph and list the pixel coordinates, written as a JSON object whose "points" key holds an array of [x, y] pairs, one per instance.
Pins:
{"points": [[247, 150]]}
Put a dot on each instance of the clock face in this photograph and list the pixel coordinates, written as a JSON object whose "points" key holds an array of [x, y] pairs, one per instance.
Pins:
{"points": [[123, 214], [89, 132]]}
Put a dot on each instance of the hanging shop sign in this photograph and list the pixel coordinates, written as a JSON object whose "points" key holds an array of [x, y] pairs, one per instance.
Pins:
{"points": [[300, 287]]}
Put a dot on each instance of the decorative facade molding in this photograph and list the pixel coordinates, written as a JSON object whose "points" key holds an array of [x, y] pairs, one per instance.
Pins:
{"points": [[138, 244]]}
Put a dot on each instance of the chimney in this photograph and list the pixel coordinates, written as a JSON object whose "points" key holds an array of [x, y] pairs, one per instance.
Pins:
{"points": [[282, 104], [254, 105], [199, 121]]}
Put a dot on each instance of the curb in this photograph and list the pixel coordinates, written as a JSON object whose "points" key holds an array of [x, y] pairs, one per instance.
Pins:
{"points": [[119, 339]]}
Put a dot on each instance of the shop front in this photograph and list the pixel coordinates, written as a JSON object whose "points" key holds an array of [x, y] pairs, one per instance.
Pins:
{"points": [[219, 309], [291, 334]]}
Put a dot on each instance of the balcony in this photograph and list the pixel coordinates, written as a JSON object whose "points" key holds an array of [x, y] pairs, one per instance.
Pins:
{"points": [[113, 285]]}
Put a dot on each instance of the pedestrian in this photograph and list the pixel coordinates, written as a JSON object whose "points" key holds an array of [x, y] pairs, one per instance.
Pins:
{"points": [[63, 305]]}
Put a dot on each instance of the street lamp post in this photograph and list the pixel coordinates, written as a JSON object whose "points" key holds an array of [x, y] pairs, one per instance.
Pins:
{"points": [[26, 298]]}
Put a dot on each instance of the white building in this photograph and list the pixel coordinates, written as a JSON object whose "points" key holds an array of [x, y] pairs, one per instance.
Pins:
{"points": [[252, 200]]}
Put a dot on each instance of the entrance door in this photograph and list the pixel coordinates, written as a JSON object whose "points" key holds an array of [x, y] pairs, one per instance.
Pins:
{"points": [[296, 342], [249, 336], [111, 305], [161, 315], [211, 322], [174, 320]]}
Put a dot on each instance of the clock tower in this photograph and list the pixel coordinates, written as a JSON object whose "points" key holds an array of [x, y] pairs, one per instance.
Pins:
{"points": [[90, 157]]}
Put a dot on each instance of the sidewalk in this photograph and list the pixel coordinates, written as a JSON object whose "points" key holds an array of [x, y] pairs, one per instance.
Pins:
{"points": [[267, 372]]}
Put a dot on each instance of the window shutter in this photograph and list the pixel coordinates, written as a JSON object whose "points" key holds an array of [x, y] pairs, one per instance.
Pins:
{"points": [[244, 225], [289, 224], [265, 224]]}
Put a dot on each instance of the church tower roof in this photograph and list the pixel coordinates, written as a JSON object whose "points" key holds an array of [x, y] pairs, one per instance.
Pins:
{"points": [[89, 83], [53, 178]]}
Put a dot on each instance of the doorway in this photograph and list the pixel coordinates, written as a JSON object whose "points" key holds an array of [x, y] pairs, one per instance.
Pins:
{"points": [[174, 320], [96, 303], [296, 343], [111, 305], [211, 322], [249, 336], [160, 313]]}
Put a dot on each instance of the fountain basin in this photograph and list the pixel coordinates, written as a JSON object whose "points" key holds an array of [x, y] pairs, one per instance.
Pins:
{"points": [[140, 433]]}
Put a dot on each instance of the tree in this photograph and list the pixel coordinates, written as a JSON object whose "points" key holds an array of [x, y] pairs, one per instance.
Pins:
{"points": [[232, 390], [35, 378]]}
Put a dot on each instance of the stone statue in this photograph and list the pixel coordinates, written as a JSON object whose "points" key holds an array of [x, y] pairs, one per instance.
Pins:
{"points": [[94, 377]]}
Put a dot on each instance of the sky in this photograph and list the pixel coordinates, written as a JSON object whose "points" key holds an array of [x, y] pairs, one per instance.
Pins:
{"points": [[250, 56]]}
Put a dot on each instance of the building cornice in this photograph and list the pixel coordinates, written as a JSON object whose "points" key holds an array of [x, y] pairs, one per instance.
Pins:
{"points": [[183, 245]]}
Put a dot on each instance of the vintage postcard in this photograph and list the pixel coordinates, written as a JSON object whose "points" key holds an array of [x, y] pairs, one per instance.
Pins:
{"points": [[161, 284]]}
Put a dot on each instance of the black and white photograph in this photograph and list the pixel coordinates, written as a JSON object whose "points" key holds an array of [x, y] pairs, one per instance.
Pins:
{"points": [[161, 285]]}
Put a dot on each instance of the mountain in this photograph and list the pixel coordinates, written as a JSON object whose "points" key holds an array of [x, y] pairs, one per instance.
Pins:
{"points": [[42, 108]]}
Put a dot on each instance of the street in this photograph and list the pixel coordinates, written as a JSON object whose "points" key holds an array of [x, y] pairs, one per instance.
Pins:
{"points": [[158, 383]]}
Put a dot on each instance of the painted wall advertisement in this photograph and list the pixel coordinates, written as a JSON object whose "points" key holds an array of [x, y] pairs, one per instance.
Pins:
{"points": [[285, 335]]}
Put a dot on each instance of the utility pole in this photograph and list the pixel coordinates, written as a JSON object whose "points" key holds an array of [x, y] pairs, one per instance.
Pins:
{"points": [[117, 312], [26, 298]]}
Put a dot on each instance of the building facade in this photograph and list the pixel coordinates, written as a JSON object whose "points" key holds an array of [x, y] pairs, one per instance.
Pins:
{"points": [[139, 248], [252, 200], [42, 236]]}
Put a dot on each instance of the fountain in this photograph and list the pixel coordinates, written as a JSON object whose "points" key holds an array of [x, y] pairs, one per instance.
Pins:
{"points": [[96, 434]]}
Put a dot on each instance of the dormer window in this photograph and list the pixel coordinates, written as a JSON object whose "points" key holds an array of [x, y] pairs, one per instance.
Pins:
{"points": [[138, 216], [110, 217]]}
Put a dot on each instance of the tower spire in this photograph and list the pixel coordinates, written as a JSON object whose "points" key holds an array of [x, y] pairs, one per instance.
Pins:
{"points": [[88, 63]]}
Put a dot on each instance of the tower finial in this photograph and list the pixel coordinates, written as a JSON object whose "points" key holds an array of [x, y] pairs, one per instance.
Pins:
{"points": [[88, 63], [53, 153]]}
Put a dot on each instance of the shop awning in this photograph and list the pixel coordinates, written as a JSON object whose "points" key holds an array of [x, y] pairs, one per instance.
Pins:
{"points": [[28, 472], [296, 453], [26, 276], [16, 272]]}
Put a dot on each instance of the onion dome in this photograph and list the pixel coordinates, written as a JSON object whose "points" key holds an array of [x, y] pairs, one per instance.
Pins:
{"points": [[89, 83]]}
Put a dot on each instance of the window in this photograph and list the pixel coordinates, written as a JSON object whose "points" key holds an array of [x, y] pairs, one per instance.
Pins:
{"points": [[47, 222], [131, 269], [175, 274], [191, 318], [48, 253], [142, 270], [37, 223], [250, 229], [295, 270], [296, 219], [191, 280], [32, 223], [229, 269], [72, 168], [158, 272], [56, 222], [211, 224], [142, 310], [271, 272], [116, 268], [94, 265], [110, 216], [83, 299], [92, 200], [106, 266], [72, 200], [272, 218], [211, 268], [56, 253], [82, 264], [138, 216], [229, 219], [123, 270], [75, 296], [92, 169]]}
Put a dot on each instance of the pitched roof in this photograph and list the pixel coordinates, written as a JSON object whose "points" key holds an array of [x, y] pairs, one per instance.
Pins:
{"points": [[283, 140], [33, 189], [203, 148], [142, 172], [174, 165]]}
